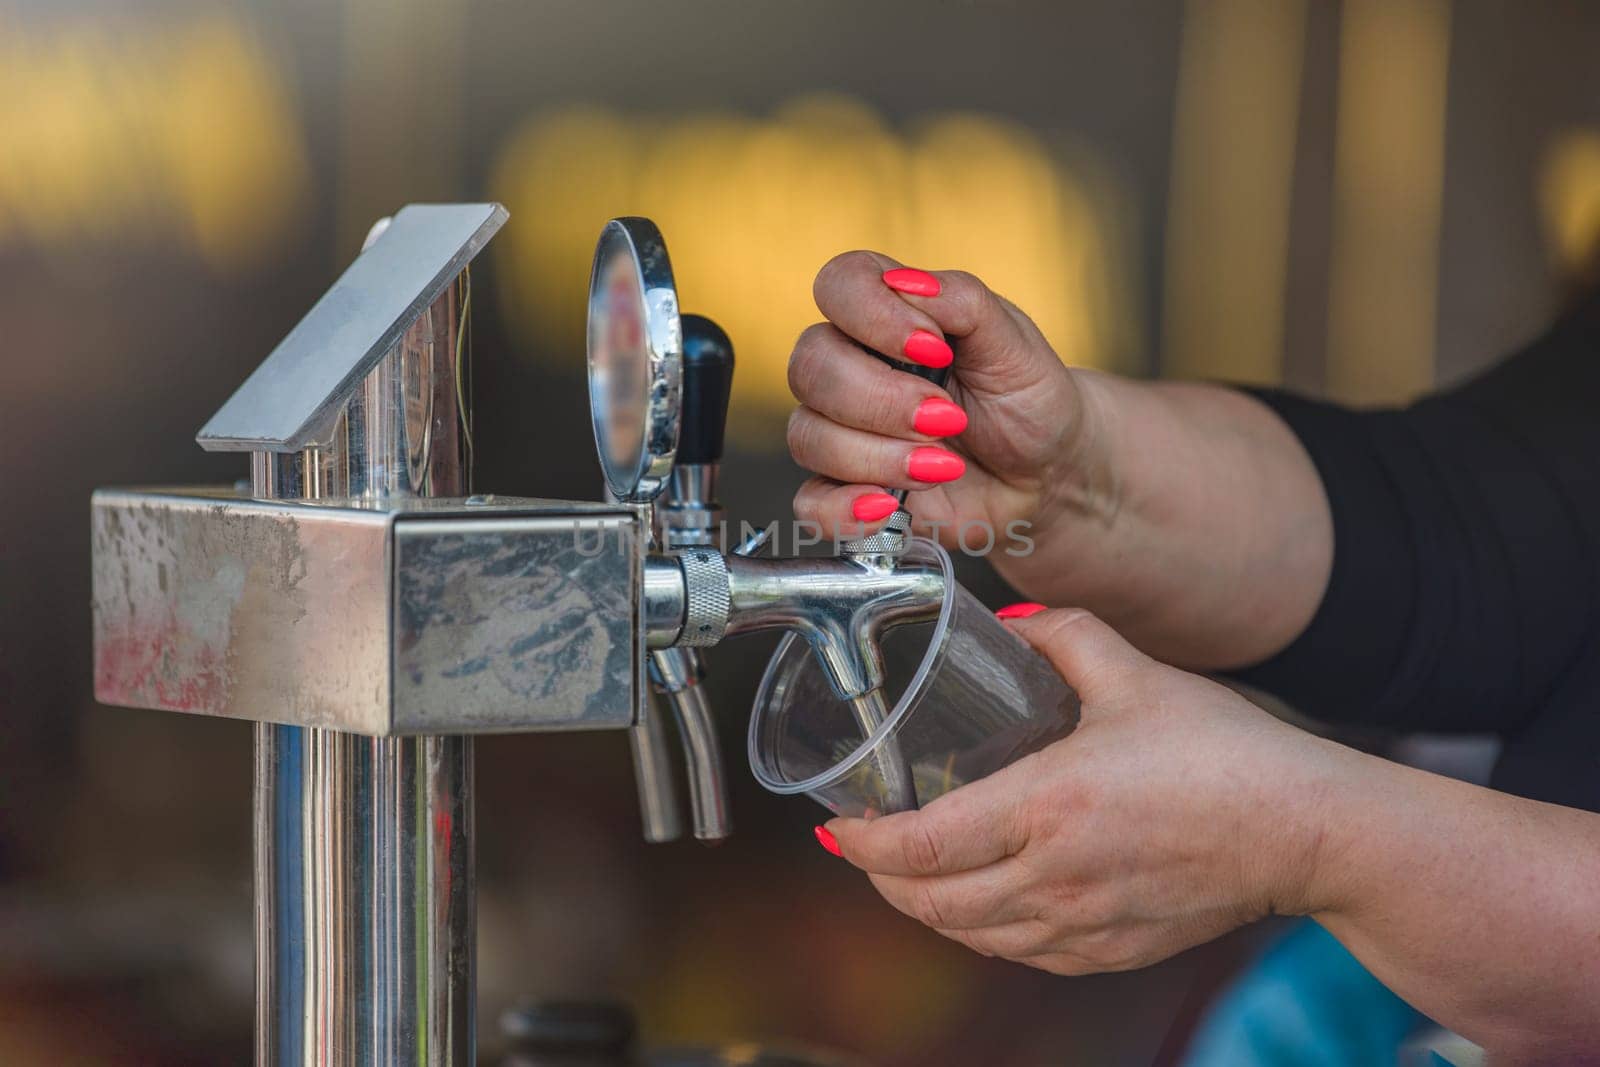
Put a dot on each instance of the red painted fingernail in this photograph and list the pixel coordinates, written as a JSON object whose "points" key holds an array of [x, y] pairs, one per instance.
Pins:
{"points": [[827, 840], [938, 417], [929, 464], [1019, 611], [870, 507], [928, 349], [910, 280]]}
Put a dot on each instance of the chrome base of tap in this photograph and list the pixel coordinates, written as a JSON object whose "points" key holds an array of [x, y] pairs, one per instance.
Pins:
{"points": [[364, 899]]}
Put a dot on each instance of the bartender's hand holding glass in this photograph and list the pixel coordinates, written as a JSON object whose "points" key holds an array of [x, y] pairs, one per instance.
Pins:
{"points": [[1170, 816], [1130, 839]]}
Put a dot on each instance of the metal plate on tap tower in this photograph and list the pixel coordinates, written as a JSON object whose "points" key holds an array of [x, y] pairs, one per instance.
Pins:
{"points": [[291, 400], [424, 616]]}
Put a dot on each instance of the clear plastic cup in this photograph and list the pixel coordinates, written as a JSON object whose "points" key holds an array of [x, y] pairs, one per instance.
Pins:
{"points": [[963, 698]]}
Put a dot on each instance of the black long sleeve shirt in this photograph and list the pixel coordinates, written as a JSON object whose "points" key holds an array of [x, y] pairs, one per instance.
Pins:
{"points": [[1465, 590]]}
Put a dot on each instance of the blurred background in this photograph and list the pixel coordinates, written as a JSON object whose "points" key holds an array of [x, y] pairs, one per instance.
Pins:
{"points": [[1359, 199]]}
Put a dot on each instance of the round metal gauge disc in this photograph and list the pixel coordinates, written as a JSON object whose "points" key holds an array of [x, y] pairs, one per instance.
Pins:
{"points": [[635, 359]]}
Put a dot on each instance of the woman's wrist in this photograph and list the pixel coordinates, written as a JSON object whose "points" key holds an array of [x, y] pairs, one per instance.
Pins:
{"points": [[1111, 534], [1073, 510], [1216, 543], [1300, 845], [1079, 489]]}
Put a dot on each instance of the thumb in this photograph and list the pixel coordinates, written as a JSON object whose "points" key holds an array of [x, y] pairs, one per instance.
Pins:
{"points": [[1090, 656], [998, 348]]}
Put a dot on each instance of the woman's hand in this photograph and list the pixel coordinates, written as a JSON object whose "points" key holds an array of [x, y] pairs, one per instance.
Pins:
{"points": [[1012, 438], [1175, 812], [1186, 515]]}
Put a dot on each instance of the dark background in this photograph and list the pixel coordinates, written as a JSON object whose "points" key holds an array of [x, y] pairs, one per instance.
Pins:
{"points": [[1357, 198]]}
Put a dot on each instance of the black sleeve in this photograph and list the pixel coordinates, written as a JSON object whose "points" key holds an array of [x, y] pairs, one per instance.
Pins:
{"points": [[1463, 587]]}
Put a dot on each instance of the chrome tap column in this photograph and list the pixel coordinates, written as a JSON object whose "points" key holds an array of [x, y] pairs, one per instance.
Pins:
{"points": [[367, 614], [364, 845]]}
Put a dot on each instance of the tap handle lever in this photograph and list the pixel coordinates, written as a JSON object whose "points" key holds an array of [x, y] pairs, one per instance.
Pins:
{"points": [[688, 513], [707, 384]]}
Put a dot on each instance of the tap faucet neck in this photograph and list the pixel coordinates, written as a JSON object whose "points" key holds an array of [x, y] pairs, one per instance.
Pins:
{"points": [[841, 605]]}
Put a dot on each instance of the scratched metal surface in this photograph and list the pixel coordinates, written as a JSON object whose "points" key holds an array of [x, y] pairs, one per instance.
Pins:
{"points": [[425, 619], [515, 623], [240, 608]]}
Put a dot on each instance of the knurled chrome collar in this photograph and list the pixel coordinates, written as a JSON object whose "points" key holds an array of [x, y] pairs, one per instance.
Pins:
{"points": [[705, 582], [889, 541]]}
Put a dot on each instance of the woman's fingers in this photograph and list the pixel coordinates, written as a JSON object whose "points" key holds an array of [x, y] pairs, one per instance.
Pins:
{"points": [[866, 425], [979, 824], [851, 293], [1089, 655], [834, 376], [1000, 350], [855, 509], [846, 454], [845, 510]]}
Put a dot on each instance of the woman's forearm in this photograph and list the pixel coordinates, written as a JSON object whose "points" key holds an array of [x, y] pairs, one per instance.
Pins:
{"points": [[1479, 908], [1216, 544]]}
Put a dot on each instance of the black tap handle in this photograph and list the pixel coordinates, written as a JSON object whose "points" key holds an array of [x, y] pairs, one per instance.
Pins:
{"points": [[707, 384]]}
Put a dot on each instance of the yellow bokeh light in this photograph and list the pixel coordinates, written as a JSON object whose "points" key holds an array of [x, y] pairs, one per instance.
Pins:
{"points": [[751, 208], [179, 131], [1569, 201]]}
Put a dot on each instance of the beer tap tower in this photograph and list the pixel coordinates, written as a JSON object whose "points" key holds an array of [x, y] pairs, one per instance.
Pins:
{"points": [[371, 615]]}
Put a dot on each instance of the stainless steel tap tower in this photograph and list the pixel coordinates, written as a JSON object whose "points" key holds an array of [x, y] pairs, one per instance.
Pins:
{"points": [[370, 616], [364, 892]]}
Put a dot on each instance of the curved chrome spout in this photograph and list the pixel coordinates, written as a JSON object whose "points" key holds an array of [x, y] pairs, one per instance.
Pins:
{"points": [[676, 673], [842, 606]]}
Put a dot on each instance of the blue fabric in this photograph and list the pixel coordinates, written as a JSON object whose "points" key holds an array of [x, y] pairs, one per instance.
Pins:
{"points": [[1306, 1002]]}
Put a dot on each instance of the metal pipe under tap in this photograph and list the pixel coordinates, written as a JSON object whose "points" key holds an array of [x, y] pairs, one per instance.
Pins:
{"points": [[364, 882]]}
